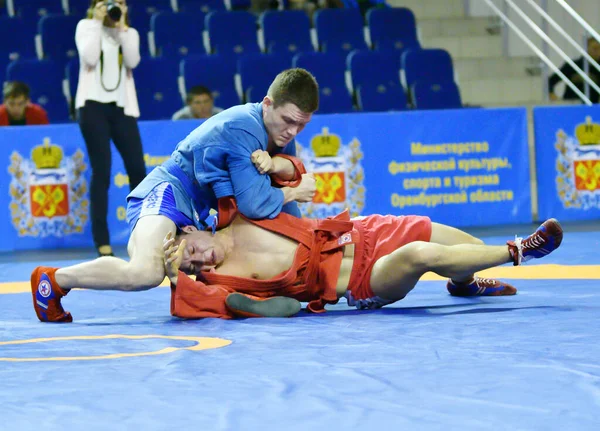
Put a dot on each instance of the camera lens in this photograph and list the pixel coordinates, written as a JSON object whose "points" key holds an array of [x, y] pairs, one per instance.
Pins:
{"points": [[113, 10]]}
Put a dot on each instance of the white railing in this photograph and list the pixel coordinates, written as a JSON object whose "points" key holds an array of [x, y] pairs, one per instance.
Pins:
{"points": [[548, 42]]}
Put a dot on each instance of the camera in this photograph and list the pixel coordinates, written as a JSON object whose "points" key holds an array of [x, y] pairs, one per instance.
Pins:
{"points": [[113, 10]]}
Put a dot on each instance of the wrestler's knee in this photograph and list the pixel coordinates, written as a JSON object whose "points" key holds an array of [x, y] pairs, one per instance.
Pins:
{"points": [[144, 277], [423, 255], [476, 241]]}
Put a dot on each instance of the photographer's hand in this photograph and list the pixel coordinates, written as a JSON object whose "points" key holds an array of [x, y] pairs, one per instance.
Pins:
{"points": [[100, 11], [122, 24]]}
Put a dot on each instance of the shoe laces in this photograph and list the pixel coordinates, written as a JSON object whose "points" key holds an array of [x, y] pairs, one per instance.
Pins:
{"points": [[534, 241], [519, 246], [484, 281]]}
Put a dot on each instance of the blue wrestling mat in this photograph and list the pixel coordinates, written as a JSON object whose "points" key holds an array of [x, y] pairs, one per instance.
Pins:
{"points": [[429, 362]]}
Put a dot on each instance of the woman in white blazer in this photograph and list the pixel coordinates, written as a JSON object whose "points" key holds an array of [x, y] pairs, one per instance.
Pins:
{"points": [[106, 103]]}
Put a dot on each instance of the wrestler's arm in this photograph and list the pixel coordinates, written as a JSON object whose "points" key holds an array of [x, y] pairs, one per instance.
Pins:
{"points": [[173, 257], [283, 167], [230, 172], [254, 193]]}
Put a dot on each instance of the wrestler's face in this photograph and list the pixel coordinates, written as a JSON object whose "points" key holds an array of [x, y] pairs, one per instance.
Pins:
{"points": [[284, 122], [203, 251]]}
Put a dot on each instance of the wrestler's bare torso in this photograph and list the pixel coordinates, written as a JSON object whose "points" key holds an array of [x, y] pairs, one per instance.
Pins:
{"points": [[261, 254]]}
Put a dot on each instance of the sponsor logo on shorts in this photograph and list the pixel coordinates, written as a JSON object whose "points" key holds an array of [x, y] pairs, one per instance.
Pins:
{"points": [[153, 201], [345, 239]]}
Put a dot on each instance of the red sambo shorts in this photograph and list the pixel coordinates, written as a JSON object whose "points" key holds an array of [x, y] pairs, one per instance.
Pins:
{"points": [[381, 235]]}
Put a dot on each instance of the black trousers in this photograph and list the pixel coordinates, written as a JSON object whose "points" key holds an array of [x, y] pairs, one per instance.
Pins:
{"points": [[99, 123]]}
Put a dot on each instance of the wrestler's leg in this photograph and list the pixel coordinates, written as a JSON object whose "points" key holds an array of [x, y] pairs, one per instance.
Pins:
{"points": [[448, 235], [397, 273], [143, 271]]}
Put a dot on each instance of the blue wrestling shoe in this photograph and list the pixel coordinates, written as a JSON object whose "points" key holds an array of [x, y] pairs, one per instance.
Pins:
{"points": [[480, 287], [542, 242]]}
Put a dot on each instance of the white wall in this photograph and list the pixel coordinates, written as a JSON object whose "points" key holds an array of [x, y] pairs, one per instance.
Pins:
{"points": [[588, 9], [478, 8]]}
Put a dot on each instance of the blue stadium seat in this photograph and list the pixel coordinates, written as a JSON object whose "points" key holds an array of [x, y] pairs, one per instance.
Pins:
{"points": [[71, 80], [431, 65], [72, 75], [227, 42], [257, 71], [21, 34], [204, 6], [58, 37], [152, 6], [339, 30], [215, 72], [364, 6], [158, 98], [44, 78], [238, 5], [373, 97], [286, 32], [34, 9], [3, 65], [432, 95], [139, 18], [392, 29], [78, 7], [372, 67], [178, 34], [329, 70]]}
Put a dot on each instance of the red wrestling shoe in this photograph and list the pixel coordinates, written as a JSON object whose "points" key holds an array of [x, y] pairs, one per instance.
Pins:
{"points": [[480, 287], [46, 296], [542, 242], [253, 306]]}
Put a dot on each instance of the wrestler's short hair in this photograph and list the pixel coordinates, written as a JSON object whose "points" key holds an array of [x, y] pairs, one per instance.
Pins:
{"points": [[295, 86]]}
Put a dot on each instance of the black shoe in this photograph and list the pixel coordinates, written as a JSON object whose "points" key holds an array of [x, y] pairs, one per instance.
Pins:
{"points": [[247, 306]]}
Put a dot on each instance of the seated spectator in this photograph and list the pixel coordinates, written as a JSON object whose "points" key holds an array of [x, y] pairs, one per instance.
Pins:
{"points": [[200, 104], [593, 49], [311, 6], [17, 109], [259, 6]]}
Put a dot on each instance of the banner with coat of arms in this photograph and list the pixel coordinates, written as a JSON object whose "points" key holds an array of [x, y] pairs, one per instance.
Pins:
{"points": [[49, 193], [464, 167], [46, 180], [568, 162], [338, 173]]}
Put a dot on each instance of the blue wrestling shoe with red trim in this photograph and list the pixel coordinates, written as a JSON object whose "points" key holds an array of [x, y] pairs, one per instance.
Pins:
{"points": [[46, 296], [480, 287], [542, 242]]}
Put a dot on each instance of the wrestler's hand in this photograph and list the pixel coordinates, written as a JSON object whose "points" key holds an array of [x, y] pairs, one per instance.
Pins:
{"points": [[262, 161], [305, 192], [173, 256]]}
